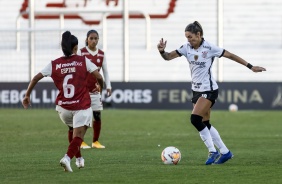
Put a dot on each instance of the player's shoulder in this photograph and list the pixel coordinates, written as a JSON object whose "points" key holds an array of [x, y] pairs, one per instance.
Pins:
{"points": [[208, 45], [185, 45], [83, 49], [59, 59], [80, 56], [101, 51]]}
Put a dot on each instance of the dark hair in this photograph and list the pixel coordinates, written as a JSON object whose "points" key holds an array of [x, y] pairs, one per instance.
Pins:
{"points": [[69, 41], [88, 33], [195, 27]]}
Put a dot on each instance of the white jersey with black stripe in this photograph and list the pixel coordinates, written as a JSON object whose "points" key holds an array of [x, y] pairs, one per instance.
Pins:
{"points": [[200, 62]]}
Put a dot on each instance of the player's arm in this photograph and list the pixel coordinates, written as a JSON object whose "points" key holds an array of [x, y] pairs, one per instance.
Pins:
{"points": [[33, 82], [93, 69], [169, 55], [99, 78], [166, 55], [238, 59], [106, 76]]}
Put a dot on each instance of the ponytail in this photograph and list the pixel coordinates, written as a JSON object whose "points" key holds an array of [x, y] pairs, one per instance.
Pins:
{"points": [[198, 25], [69, 41], [195, 27]]}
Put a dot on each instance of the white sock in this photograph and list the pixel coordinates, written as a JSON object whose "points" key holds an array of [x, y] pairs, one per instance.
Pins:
{"points": [[218, 141], [206, 137]]}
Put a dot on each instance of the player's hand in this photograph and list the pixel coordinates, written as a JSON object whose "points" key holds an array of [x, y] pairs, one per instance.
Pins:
{"points": [[97, 89], [258, 69], [162, 45], [26, 102], [109, 92]]}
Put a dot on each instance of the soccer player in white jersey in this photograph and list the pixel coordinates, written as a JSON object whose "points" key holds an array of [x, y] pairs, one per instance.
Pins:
{"points": [[96, 56], [200, 55]]}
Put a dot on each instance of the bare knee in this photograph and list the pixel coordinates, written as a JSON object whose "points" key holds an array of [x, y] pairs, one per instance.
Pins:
{"points": [[79, 132]]}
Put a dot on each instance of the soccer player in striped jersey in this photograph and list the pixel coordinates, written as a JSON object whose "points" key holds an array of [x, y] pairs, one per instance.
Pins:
{"points": [[200, 55], [69, 74], [97, 56]]}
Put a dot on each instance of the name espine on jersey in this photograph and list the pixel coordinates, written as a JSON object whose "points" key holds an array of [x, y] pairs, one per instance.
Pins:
{"points": [[68, 70]]}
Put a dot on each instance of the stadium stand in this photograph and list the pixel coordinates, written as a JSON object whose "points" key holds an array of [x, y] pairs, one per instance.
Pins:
{"points": [[252, 29]]}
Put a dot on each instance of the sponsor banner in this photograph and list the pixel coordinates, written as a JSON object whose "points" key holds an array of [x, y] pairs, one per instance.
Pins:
{"points": [[154, 95]]}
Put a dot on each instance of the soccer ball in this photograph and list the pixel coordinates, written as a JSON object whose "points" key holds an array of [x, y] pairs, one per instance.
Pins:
{"points": [[171, 155], [233, 108]]}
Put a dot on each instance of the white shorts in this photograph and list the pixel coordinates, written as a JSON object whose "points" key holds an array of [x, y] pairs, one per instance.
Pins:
{"points": [[77, 118], [96, 101]]}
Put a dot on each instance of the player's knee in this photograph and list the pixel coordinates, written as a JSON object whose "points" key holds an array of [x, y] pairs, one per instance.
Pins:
{"points": [[97, 115], [196, 121]]}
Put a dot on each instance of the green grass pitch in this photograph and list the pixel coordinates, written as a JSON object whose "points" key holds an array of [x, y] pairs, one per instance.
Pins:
{"points": [[33, 141]]}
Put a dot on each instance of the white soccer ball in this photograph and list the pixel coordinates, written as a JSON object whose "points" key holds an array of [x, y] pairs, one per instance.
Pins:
{"points": [[233, 107], [171, 155]]}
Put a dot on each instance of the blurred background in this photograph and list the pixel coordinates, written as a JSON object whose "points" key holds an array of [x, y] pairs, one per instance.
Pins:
{"points": [[129, 31]]}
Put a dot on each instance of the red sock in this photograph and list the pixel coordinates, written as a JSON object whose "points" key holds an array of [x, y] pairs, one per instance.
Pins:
{"points": [[74, 147], [96, 130], [70, 139]]}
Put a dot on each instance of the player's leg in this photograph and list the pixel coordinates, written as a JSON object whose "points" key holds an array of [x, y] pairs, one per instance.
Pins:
{"points": [[97, 129], [82, 120], [67, 118], [79, 136], [215, 135], [97, 107], [225, 153], [70, 137], [200, 108]]}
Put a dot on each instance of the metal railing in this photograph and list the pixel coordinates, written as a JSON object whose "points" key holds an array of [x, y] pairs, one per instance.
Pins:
{"points": [[105, 13]]}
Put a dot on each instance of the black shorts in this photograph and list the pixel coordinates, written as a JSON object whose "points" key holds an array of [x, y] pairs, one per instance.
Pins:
{"points": [[210, 95]]}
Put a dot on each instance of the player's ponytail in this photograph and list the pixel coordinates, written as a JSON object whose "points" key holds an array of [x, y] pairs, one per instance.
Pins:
{"points": [[199, 27], [69, 41], [195, 27]]}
